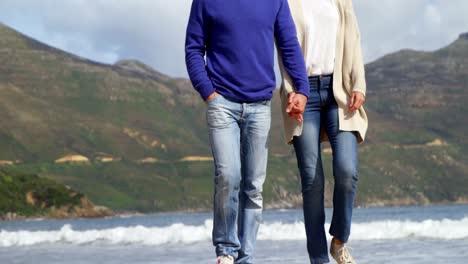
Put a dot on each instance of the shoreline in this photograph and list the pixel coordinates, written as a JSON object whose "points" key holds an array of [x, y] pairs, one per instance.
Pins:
{"points": [[126, 214], [300, 208]]}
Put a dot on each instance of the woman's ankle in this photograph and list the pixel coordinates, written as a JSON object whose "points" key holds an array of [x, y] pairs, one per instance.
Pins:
{"points": [[337, 242]]}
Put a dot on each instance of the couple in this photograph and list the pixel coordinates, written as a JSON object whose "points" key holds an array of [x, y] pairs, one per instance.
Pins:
{"points": [[322, 92]]}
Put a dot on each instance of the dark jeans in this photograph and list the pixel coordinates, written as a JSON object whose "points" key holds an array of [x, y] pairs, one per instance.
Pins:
{"points": [[322, 111]]}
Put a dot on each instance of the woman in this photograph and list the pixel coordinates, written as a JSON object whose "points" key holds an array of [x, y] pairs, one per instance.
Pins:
{"points": [[330, 40]]}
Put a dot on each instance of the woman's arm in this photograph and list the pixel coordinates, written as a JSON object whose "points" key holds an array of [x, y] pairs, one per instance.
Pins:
{"points": [[358, 75], [295, 102], [287, 84]]}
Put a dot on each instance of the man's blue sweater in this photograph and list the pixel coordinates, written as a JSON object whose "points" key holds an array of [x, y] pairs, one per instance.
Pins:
{"points": [[237, 37]]}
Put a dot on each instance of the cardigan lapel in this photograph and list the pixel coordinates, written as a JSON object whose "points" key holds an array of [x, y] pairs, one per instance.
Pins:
{"points": [[298, 17]]}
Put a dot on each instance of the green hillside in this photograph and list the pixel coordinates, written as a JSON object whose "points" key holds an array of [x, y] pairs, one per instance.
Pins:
{"points": [[28, 195], [143, 145]]}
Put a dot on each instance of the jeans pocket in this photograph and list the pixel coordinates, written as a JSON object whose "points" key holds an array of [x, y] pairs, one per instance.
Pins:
{"points": [[217, 113], [214, 100]]}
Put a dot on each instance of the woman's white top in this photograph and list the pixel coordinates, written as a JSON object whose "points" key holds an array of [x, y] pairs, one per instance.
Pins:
{"points": [[321, 19]]}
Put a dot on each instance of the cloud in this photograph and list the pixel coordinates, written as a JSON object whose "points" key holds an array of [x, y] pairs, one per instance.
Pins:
{"points": [[432, 16], [107, 30], [391, 25], [153, 31]]}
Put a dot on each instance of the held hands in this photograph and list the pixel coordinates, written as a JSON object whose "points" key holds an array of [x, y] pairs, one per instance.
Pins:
{"points": [[296, 106], [357, 99]]}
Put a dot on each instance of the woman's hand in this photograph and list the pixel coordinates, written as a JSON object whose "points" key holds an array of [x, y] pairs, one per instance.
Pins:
{"points": [[357, 99], [296, 106]]}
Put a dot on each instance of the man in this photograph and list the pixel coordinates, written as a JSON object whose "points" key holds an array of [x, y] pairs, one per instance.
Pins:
{"points": [[237, 82]]}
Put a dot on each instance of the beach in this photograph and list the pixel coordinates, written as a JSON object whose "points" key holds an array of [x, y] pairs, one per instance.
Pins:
{"points": [[430, 234]]}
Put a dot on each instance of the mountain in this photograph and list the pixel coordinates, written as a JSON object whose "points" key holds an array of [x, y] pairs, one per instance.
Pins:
{"points": [[131, 138], [417, 102]]}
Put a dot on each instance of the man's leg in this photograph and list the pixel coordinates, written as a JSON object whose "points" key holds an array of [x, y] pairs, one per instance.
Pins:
{"points": [[224, 135], [255, 127]]}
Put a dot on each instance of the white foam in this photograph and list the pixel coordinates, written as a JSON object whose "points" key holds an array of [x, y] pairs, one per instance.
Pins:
{"points": [[185, 234], [444, 229]]}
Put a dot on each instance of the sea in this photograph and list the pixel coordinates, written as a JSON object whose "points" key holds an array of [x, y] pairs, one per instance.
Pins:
{"points": [[430, 234]]}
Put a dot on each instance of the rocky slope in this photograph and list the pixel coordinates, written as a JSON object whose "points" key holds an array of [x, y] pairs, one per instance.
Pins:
{"points": [[25, 196]]}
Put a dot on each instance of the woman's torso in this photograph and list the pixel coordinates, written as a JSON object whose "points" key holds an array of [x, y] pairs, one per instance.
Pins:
{"points": [[321, 21]]}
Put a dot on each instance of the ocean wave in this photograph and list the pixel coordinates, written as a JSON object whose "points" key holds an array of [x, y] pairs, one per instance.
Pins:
{"points": [[186, 234]]}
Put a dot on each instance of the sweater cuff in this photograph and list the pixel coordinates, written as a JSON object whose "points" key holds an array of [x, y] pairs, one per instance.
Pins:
{"points": [[363, 91], [205, 92], [304, 90]]}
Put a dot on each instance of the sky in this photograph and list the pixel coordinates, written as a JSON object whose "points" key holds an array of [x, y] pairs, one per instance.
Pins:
{"points": [[153, 31]]}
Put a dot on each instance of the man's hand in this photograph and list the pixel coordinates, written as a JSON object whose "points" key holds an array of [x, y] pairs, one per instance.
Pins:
{"points": [[357, 99], [296, 106], [211, 97]]}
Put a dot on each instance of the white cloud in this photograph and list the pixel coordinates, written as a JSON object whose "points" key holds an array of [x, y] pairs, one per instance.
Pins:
{"points": [[391, 25], [432, 16], [154, 30], [107, 30]]}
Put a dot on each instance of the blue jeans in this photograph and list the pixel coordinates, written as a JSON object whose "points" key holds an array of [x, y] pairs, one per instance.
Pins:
{"points": [[239, 142], [322, 111]]}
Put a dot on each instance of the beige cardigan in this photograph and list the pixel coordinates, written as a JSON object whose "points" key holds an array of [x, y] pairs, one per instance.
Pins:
{"points": [[348, 73]]}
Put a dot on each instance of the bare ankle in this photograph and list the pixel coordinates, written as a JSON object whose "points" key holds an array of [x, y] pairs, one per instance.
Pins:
{"points": [[336, 241]]}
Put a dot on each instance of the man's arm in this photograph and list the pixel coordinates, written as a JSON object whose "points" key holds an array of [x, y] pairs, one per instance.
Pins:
{"points": [[195, 48], [288, 47]]}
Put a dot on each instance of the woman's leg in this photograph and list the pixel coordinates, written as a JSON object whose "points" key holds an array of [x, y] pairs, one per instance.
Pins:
{"points": [[307, 147], [345, 172]]}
